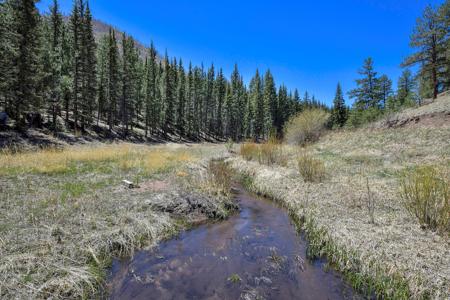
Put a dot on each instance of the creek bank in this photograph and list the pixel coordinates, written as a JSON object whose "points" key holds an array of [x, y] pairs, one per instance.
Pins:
{"points": [[391, 259], [254, 254]]}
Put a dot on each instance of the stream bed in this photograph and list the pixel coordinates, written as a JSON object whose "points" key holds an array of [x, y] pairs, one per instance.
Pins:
{"points": [[254, 254]]}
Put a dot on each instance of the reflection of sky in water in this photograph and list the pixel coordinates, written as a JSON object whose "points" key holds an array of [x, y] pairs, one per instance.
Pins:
{"points": [[258, 244]]}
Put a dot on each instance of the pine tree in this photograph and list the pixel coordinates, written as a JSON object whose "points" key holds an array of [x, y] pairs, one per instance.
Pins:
{"points": [[126, 98], [56, 57], [9, 48], [367, 93], [270, 97], [151, 109], [298, 102], [210, 102], [181, 100], [113, 79], [103, 91], [282, 109], [77, 58], [220, 93], [385, 85], [26, 61], [444, 16], [89, 62], [260, 107], [167, 94], [198, 100], [190, 112], [307, 100], [430, 36], [236, 106], [405, 91], [339, 112]]}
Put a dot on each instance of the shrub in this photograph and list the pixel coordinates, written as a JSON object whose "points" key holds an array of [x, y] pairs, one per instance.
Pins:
{"points": [[311, 169], [249, 151], [306, 127], [425, 193], [267, 153], [220, 175], [271, 152]]}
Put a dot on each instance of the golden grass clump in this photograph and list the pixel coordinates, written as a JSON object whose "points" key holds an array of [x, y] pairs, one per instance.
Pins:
{"points": [[311, 169], [220, 176], [267, 153], [306, 127], [425, 194], [249, 151]]}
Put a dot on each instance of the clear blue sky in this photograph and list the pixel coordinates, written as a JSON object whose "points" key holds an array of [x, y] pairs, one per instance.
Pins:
{"points": [[309, 45]]}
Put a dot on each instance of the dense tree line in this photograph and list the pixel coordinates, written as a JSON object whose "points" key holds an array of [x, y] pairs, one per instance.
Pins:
{"points": [[57, 69]]}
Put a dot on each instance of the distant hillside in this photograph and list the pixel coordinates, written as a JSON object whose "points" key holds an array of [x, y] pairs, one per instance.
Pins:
{"points": [[101, 29]]}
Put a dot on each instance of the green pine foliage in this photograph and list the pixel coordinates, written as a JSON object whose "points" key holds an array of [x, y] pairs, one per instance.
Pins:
{"points": [[339, 111], [431, 39], [56, 67]]}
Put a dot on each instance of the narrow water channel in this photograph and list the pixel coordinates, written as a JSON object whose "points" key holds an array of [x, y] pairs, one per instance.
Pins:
{"points": [[255, 254]]}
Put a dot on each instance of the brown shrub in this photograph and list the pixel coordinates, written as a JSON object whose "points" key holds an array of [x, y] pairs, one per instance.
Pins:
{"points": [[311, 169]]}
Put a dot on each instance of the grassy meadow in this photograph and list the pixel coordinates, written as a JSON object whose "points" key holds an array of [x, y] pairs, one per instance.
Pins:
{"points": [[65, 212], [349, 191]]}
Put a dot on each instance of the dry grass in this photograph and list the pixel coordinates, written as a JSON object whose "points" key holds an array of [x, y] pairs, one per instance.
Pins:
{"points": [[267, 153], [311, 169], [220, 176], [249, 151], [364, 228], [64, 214], [55, 161], [425, 193]]}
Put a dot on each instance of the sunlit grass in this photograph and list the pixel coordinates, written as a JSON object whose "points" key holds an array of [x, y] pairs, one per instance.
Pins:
{"points": [[78, 159]]}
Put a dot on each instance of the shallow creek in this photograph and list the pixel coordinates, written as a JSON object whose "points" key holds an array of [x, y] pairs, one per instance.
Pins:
{"points": [[255, 254]]}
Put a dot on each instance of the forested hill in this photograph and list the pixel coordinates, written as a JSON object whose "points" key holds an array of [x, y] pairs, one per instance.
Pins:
{"points": [[77, 74], [101, 29]]}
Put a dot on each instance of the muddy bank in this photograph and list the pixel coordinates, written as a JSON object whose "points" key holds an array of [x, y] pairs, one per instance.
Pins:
{"points": [[254, 254]]}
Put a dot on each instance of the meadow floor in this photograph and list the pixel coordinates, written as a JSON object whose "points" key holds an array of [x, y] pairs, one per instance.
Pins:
{"points": [[389, 254], [65, 213]]}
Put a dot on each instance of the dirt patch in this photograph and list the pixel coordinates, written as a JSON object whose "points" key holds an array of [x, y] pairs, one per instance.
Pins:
{"points": [[439, 119]]}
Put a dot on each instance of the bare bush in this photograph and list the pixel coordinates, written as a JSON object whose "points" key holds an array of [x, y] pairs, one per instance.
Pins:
{"points": [[425, 193], [306, 127]]}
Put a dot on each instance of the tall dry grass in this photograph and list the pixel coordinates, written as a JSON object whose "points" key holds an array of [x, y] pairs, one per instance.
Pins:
{"points": [[268, 153], [311, 169]]}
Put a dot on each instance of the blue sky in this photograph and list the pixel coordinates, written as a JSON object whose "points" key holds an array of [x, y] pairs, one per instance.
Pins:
{"points": [[309, 45]]}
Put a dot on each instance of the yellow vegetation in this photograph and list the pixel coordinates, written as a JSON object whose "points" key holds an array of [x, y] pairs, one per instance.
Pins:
{"points": [[266, 153], [125, 156]]}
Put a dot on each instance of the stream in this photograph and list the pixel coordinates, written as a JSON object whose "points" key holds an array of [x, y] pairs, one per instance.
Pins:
{"points": [[254, 254]]}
